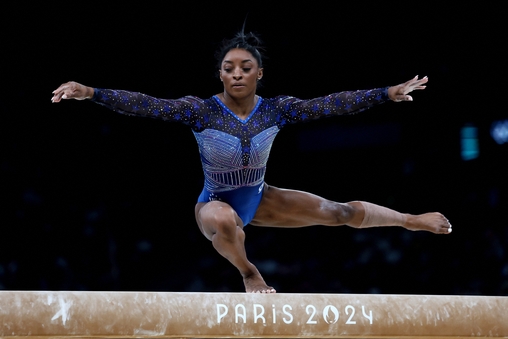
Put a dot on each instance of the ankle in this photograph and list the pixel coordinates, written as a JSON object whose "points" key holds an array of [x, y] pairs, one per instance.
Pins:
{"points": [[411, 222], [250, 272]]}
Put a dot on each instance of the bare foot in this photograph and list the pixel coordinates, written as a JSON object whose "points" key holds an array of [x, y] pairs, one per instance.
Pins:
{"points": [[432, 222], [254, 283]]}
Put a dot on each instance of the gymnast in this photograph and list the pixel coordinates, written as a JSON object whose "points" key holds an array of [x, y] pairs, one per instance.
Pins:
{"points": [[235, 130]]}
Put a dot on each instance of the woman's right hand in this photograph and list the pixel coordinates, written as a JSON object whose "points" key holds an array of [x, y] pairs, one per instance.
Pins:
{"points": [[72, 90]]}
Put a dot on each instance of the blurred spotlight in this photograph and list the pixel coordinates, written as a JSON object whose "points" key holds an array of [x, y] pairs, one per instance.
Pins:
{"points": [[144, 246], [469, 147], [499, 131]]}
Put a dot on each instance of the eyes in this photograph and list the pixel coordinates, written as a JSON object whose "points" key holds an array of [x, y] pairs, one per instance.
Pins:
{"points": [[244, 69]]}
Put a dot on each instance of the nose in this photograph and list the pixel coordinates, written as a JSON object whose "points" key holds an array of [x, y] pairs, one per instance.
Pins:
{"points": [[237, 74]]}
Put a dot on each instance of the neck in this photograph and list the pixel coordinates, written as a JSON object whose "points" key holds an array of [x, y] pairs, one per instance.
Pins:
{"points": [[242, 107]]}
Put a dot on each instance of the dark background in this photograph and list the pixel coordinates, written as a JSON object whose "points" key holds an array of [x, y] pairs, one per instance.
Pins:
{"points": [[93, 200]]}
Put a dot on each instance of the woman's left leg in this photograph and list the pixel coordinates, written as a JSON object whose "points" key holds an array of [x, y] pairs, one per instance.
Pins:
{"points": [[291, 208]]}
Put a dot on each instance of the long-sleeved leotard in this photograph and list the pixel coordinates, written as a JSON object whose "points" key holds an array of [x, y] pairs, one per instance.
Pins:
{"points": [[234, 152]]}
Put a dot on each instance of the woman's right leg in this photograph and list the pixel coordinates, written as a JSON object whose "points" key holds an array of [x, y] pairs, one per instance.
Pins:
{"points": [[222, 225]]}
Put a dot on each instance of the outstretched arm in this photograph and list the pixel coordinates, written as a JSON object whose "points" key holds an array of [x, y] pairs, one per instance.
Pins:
{"points": [[72, 90], [295, 110], [399, 93], [188, 110]]}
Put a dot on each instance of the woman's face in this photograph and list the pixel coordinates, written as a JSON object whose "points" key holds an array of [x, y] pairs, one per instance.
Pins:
{"points": [[240, 73]]}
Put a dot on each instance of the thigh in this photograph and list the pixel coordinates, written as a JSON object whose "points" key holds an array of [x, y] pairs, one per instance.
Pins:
{"points": [[210, 216], [291, 208]]}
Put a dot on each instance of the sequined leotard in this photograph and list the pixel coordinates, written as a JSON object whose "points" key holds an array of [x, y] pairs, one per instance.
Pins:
{"points": [[234, 152]]}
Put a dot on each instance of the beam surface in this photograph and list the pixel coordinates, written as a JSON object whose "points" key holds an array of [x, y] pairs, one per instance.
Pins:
{"points": [[220, 315]]}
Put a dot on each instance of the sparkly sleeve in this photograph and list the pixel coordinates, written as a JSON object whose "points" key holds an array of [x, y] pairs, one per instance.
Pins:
{"points": [[188, 110], [293, 110]]}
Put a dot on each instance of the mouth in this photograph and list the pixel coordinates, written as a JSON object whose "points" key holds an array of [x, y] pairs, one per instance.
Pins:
{"points": [[238, 86]]}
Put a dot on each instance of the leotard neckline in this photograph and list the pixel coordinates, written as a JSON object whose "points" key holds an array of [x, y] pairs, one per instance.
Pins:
{"points": [[243, 121]]}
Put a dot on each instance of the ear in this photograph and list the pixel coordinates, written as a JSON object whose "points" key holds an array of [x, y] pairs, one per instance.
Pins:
{"points": [[220, 75], [260, 74]]}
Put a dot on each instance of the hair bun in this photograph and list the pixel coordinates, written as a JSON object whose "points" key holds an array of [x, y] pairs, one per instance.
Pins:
{"points": [[249, 38]]}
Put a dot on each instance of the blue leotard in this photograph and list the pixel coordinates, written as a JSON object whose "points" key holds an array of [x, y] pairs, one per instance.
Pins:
{"points": [[234, 152]]}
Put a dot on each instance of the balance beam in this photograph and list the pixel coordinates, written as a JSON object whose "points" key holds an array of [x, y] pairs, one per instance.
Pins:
{"points": [[69, 314]]}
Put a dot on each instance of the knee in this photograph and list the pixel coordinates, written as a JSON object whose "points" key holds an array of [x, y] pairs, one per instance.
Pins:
{"points": [[342, 214], [216, 218]]}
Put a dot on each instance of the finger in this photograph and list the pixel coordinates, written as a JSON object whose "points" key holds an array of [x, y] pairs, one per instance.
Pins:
{"points": [[412, 88], [69, 93], [400, 98], [420, 82], [416, 81], [410, 81], [61, 87], [57, 91], [56, 98], [423, 80], [61, 95], [64, 91]]}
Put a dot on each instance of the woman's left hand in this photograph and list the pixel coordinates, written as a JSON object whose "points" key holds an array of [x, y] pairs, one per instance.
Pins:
{"points": [[399, 93]]}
